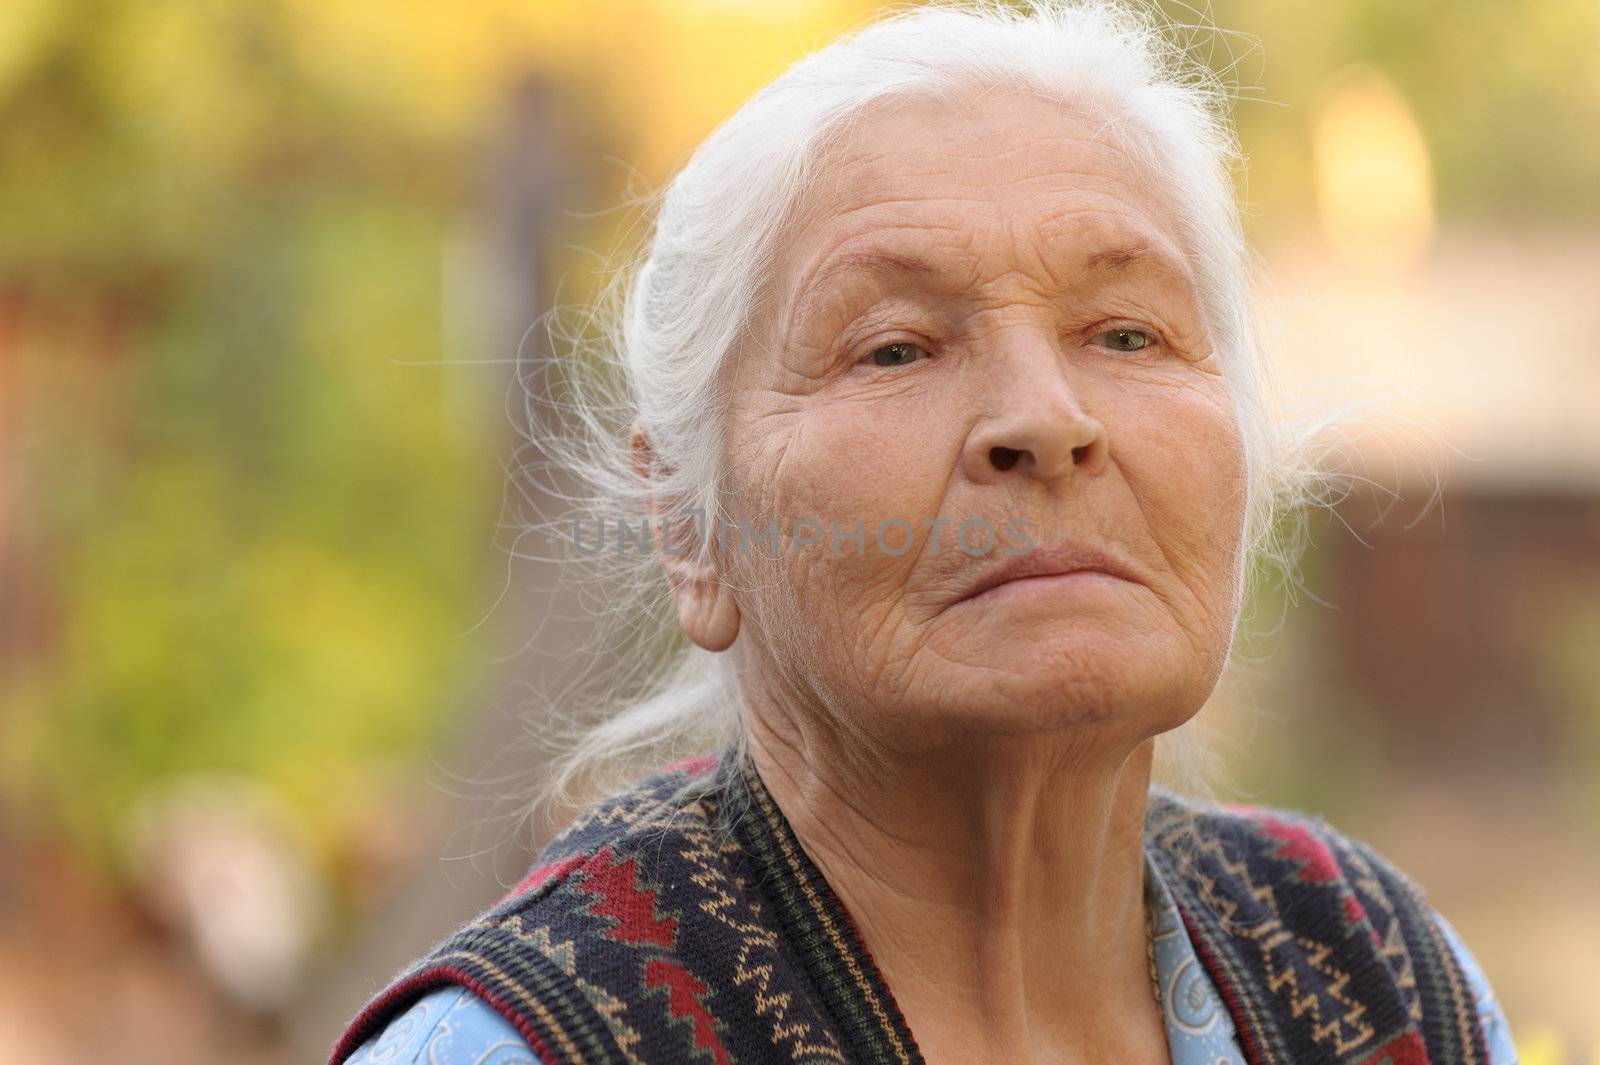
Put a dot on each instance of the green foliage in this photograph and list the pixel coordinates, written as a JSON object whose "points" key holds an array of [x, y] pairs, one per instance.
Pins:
{"points": [[266, 540]]}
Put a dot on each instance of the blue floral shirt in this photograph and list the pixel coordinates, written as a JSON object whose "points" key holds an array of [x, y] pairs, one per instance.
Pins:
{"points": [[452, 1026]]}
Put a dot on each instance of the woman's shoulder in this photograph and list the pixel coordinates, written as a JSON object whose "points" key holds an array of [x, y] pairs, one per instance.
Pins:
{"points": [[598, 855], [1371, 886], [667, 800], [1290, 848], [447, 1026], [1187, 824], [1496, 1029]]}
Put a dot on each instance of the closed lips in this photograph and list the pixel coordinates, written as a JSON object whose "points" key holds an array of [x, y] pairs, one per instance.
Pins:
{"points": [[1047, 562]]}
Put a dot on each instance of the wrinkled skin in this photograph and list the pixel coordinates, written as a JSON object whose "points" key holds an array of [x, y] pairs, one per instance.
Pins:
{"points": [[942, 758]]}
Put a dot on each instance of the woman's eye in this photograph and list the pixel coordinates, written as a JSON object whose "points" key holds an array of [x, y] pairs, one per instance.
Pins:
{"points": [[1126, 339], [896, 354]]}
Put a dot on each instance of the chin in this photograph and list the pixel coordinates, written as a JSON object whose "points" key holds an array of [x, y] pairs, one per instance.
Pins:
{"points": [[1047, 682]]}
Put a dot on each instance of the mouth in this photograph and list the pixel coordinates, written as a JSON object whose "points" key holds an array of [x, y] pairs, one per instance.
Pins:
{"points": [[1049, 568]]}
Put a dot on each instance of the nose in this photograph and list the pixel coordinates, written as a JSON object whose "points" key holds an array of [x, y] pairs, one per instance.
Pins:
{"points": [[1039, 428]]}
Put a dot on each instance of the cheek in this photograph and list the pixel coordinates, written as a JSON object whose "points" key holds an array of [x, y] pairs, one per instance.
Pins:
{"points": [[845, 467], [1185, 459], [867, 459]]}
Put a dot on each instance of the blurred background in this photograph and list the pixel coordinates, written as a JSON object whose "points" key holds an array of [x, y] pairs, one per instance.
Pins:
{"points": [[266, 632]]}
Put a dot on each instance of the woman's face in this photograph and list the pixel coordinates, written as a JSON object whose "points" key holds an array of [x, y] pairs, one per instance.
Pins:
{"points": [[981, 318]]}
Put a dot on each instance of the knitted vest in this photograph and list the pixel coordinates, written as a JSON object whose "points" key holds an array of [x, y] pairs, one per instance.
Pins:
{"points": [[681, 921]]}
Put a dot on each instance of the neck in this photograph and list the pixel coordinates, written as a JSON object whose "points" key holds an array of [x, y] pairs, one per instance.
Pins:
{"points": [[997, 881]]}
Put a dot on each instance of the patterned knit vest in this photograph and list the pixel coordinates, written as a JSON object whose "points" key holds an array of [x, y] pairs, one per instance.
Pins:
{"points": [[681, 921]]}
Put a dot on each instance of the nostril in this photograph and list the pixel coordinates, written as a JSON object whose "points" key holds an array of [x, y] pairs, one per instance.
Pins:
{"points": [[1003, 458]]}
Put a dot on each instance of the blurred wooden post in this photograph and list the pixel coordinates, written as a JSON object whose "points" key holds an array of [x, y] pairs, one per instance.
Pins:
{"points": [[492, 297]]}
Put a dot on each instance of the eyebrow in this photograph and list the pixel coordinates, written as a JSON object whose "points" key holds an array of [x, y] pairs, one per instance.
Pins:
{"points": [[870, 261], [1131, 256], [1126, 257]]}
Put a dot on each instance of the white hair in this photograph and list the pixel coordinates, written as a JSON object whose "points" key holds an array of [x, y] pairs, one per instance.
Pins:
{"points": [[652, 343]]}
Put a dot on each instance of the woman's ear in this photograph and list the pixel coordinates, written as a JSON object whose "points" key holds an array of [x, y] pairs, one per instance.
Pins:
{"points": [[705, 604]]}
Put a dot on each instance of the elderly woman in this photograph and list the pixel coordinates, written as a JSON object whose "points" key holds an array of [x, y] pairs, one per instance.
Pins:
{"points": [[944, 342]]}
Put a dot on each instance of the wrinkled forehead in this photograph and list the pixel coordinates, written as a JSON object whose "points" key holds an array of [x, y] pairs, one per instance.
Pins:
{"points": [[1026, 180]]}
